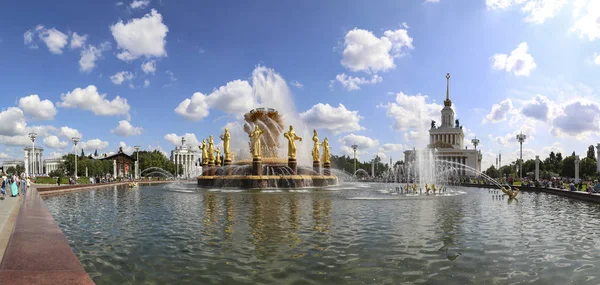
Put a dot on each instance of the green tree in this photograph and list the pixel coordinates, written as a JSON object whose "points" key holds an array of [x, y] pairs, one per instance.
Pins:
{"points": [[492, 172], [11, 170], [591, 152], [82, 154], [559, 157], [587, 168], [568, 167], [529, 166]]}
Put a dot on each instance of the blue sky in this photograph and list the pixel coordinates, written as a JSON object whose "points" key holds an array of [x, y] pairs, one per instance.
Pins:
{"points": [[516, 65]]}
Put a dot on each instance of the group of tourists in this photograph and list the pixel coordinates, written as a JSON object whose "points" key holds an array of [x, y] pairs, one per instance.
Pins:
{"points": [[13, 185]]}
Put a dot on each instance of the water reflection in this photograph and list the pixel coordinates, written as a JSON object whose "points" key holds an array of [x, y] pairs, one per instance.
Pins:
{"points": [[177, 234]]}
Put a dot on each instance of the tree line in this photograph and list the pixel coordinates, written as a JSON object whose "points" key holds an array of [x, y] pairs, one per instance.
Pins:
{"points": [[552, 166]]}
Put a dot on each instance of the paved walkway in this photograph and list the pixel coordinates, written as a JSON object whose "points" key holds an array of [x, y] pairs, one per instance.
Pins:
{"points": [[9, 208]]}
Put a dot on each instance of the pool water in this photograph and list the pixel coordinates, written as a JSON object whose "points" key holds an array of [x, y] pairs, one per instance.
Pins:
{"points": [[350, 234]]}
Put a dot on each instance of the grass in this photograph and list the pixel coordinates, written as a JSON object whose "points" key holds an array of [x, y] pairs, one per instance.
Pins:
{"points": [[63, 180]]}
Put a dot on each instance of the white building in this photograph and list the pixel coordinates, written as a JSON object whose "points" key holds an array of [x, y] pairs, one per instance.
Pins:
{"points": [[34, 162], [448, 140], [11, 163], [52, 164], [185, 157]]}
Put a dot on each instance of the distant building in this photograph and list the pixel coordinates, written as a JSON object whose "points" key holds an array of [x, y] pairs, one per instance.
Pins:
{"points": [[448, 140], [52, 164], [123, 164], [185, 157], [11, 163], [34, 162]]}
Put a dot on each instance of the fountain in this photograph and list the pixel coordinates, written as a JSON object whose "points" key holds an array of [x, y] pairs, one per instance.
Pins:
{"points": [[266, 168]]}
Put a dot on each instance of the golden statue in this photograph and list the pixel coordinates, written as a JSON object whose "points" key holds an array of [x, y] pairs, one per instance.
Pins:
{"points": [[427, 189], [218, 159], [315, 151], [433, 188], [226, 137], [204, 149], [326, 149], [510, 193], [211, 149], [292, 138], [255, 135]]}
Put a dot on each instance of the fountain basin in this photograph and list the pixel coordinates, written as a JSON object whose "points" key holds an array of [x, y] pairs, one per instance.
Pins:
{"points": [[267, 181]]}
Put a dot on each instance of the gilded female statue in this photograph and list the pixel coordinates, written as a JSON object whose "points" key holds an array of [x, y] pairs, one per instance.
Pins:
{"points": [[226, 137], [292, 138], [255, 136], [326, 148], [211, 149], [315, 151], [204, 149], [218, 159]]}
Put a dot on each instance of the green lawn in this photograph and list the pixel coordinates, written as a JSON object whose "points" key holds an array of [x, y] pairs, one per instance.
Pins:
{"points": [[63, 180]]}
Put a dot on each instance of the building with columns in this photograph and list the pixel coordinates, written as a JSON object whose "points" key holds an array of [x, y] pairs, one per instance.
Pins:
{"points": [[185, 157], [52, 164], [34, 162], [448, 140], [11, 163]]}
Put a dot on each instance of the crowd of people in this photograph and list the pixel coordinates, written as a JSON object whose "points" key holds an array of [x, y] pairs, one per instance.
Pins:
{"points": [[13, 185]]}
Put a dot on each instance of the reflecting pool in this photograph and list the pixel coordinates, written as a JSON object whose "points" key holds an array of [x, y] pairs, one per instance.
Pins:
{"points": [[350, 234]]}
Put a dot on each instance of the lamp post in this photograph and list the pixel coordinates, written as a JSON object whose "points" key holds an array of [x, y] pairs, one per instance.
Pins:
{"points": [[32, 136], [521, 138], [75, 141], [354, 147], [475, 142], [137, 161]]}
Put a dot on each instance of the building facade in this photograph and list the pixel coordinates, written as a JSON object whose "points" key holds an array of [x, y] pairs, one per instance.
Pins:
{"points": [[34, 162], [448, 141], [123, 164], [11, 163], [52, 164], [185, 157]]}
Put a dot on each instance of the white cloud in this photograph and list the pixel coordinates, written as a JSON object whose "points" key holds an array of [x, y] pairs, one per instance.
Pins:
{"points": [[519, 61], [36, 108], [149, 66], [412, 136], [411, 112], [537, 11], [391, 147], [77, 41], [95, 144], [334, 119], [139, 4], [190, 139], [54, 142], [126, 149], [121, 77], [125, 129], [69, 133], [556, 147], [54, 39], [432, 1], [12, 122], [19, 140], [233, 98], [587, 15], [578, 118], [538, 108], [28, 39], [499, 111], [90, 54], [296, 84], [141, 37], [597, 58], [146, 83], [172, 77], [363, 144], [365, 52], [353, 83], [89, 99]]}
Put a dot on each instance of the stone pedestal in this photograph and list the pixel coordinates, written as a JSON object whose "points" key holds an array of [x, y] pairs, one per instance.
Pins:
{"points": [[317, 167], [577, 169], [326, 168], [204, 169], [256, 166], [228, 169], [537, 167], [211, 168], [293, 164]]}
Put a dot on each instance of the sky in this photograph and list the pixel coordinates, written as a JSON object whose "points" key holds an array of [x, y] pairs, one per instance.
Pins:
{"points": [[147, 72]]}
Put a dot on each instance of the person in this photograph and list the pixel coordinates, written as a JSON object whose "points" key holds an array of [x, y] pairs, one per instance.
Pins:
{"points": [[58, 181], [572, 187], [3, 189], [14, 188]]}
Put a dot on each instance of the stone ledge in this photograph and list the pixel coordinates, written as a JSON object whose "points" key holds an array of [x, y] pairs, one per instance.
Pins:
{"points": [[585, 196]]}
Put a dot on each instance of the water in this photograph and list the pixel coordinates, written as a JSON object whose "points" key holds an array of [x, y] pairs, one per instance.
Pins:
{"points": [[351, 234]]}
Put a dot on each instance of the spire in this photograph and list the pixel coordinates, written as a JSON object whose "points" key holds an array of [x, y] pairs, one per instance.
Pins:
{"points": [[447, 102]]}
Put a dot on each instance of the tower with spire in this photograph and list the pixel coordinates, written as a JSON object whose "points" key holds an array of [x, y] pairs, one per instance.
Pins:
{"points": [[447, 112]]}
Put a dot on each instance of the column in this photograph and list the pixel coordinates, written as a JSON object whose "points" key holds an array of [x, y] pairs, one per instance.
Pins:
{"points": [[114, 169], [26, 158], [577, 169], [537, 167]]}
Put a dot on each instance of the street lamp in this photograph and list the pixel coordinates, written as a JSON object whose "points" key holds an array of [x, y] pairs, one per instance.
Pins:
{"points": [[32, 136], [75, 141], [354, 147], [521, 138], [137, 161], [475, 142]]}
